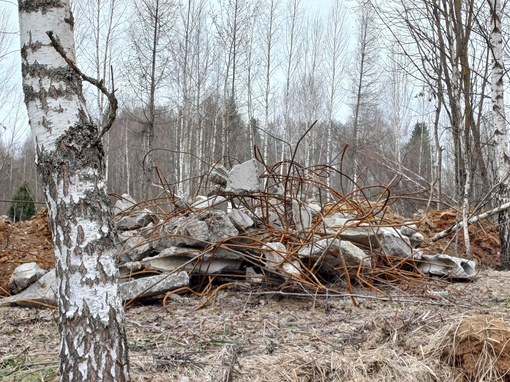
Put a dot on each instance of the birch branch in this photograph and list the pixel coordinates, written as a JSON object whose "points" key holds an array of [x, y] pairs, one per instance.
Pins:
{"points": [[471, 220], [112, 100]]}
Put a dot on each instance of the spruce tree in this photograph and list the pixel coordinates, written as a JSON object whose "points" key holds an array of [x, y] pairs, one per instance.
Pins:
{"points": [[23, 206]]}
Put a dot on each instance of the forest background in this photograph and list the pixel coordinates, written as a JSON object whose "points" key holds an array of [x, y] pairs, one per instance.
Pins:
{"points": [[397, 92]]}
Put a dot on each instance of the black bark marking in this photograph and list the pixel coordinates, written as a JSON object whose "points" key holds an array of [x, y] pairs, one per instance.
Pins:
{"points": [[65, 179], [81, 236], [42, 98], [29, 6], [46, 124], [70, 20]]}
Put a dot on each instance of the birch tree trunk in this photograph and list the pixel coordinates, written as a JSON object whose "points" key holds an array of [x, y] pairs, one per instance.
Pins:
{"points": [[500, 129], [70, 159]]}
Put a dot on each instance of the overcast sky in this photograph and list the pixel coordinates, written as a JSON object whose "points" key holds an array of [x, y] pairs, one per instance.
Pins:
{"points": [[11, 114]]}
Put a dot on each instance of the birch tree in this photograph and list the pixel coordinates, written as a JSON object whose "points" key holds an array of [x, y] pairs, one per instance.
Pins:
{"points": [[271, 30], [147, 68], [336, 43], [365, 77], [293, 44], [70, 160], [500, 128]]}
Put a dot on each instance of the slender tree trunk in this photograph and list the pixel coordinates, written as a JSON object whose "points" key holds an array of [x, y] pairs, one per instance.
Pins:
{"points": [[438, 174], [151, 114], [500, 129], [292, 35], [268, 67], [71, 162]]}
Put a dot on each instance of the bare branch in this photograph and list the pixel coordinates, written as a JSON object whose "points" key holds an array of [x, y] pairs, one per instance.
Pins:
{"points": [[471, 220], [112, 109]]}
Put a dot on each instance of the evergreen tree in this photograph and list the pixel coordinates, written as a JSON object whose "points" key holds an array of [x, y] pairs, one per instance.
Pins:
{"points": [[23, 206], [417, 152]]}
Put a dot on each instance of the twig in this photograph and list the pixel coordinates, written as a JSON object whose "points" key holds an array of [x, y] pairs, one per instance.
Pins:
{"points": [[471, 220], [229, 361], [113, 103]]}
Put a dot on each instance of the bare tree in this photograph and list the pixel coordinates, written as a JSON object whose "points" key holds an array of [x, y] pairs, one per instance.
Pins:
{"points": [[365, 77], [500, 129], [293, 43], [93, 344], [232, 27], [271, 31], [146, 69], [337, 43]]}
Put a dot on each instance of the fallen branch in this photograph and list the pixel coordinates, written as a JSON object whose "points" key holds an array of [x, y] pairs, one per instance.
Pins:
{"points": [[470, 221]]}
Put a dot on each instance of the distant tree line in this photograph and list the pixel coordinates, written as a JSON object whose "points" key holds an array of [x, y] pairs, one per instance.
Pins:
{"points": [[399, 90]]}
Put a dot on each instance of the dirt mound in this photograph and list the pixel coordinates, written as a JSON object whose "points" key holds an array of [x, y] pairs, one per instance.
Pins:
{"points": [[479, 347], [24, 242], [484, 236]]}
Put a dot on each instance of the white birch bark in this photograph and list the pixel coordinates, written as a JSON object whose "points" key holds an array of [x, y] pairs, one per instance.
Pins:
{"points": [[500, 128], [71, 161], [337, 40], [270, 37]]}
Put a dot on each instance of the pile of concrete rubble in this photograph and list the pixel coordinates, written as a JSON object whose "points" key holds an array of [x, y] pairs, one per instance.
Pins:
{"points": [[246, 229]]}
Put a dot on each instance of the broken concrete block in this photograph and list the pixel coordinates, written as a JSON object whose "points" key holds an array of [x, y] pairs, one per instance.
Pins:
{"points": [[393, 243], [133, 246], [215, 201], [408, 230], [385, 238], [244, 178], [278, 258], [219, 175], [136, 219], [152, 285], [331, 251], [445, 265], [189, 259], [337, 222], [43, 291], [24, 276], [123, 205], [167, 260], [220, 226], [301, 215], [240, 219], [213, 265], [182, 231], [194, 232], [128, 216], [210, 226], [416, 239]]}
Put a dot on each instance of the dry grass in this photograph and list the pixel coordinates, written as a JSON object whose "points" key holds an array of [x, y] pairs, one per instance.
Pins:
{"points": [[477, 347], [249, 337]]}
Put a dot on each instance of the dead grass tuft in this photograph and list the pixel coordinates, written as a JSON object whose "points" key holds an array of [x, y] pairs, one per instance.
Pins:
{"points": [[477, 347]]}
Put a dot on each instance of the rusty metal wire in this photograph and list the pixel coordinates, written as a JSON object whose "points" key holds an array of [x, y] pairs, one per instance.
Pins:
{"points": [[286, 183]]}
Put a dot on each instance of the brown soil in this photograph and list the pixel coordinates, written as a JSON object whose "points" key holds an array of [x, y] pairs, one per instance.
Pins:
{"points": [[480, 339], [484, 236], [24, 242], [250, 333]]}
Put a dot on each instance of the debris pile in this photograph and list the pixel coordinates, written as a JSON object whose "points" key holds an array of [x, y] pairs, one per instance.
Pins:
{"points": [[279, 225]]}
